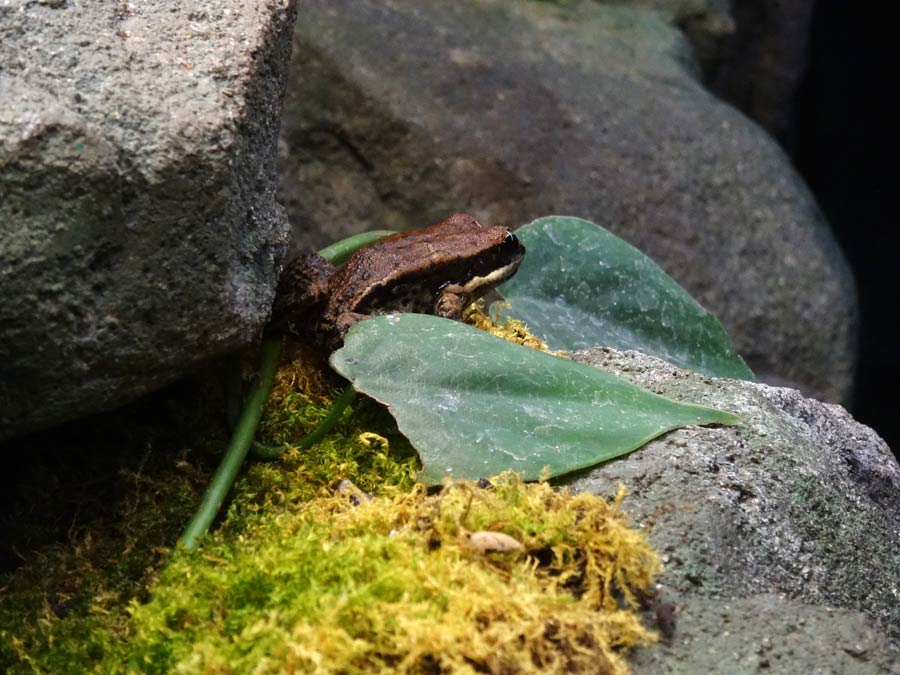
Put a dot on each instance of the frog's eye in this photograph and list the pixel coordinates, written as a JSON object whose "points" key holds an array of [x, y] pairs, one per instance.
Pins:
{"points": [[510, 242]]}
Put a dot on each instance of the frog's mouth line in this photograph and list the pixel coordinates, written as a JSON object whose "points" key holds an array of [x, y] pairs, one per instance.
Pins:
{"points": [[488, 281]]}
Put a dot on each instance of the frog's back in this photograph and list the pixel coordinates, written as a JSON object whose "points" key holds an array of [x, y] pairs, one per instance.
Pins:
{"points": [[418, 271]]}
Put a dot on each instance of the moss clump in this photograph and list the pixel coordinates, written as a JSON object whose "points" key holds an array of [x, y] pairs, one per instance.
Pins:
{"points": [[63, 616], [300, 399], [89, 509], [511, 330], [392, 585]]}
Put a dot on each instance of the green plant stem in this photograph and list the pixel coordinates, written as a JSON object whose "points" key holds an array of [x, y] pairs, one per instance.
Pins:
{"points": [[339, 251], [237, 449], [242, 438], [331, 418]]}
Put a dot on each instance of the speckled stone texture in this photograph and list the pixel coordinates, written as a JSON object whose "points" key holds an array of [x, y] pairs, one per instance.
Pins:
{"points": [[399, 114], [139, 232], [780, 536]]}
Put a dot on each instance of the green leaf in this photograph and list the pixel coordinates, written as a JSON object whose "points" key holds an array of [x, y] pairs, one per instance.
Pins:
{"points": [[474, 405], [581, 286]]}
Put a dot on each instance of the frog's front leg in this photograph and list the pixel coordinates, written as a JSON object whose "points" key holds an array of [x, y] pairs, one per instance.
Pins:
{"points": [[450, 305]]}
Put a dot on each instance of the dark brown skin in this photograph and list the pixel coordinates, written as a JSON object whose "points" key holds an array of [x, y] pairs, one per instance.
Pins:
{"points": [[435, 270]]}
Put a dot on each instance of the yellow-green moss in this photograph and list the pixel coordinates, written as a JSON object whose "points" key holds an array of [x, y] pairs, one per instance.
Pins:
{"points": [[390, 585], [511, 330], [98, 504], [300, 399]]}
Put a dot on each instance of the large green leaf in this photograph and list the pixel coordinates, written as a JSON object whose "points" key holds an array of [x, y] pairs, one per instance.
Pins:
{"points": [[581, 286], [474, 405]]}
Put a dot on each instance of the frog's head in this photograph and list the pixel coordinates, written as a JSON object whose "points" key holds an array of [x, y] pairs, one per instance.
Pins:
{"points": [[483, 257]]}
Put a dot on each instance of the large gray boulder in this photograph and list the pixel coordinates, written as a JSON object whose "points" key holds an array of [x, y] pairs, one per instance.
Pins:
{"points": [[139, 232], [401, 113], [780, 536]]}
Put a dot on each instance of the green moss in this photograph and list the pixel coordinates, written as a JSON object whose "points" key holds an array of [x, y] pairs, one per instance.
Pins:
{"points": [[392, 585], [299, 401], [65, 610], [89, 510]]}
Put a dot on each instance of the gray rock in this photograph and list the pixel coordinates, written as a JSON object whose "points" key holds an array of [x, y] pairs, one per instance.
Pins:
{"points": [[768, 634], [709, 25], [760, 66], [401, 113], [791, 517], [139, 232], [752, 53]]}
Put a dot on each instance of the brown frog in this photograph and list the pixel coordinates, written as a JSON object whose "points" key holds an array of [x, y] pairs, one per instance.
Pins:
{"points": [[435, 270]]}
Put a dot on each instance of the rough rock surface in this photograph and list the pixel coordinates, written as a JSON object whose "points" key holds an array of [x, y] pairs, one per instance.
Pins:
{"points": [[768, 634], [400, 113], [139, 231], [780, 537]]}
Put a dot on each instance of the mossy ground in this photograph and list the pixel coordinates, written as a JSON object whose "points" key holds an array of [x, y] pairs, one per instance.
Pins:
{"points": [[330, 561], [344, 584]]}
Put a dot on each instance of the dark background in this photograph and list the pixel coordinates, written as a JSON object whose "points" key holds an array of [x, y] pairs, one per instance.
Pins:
{"points": [[843, 142]]}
